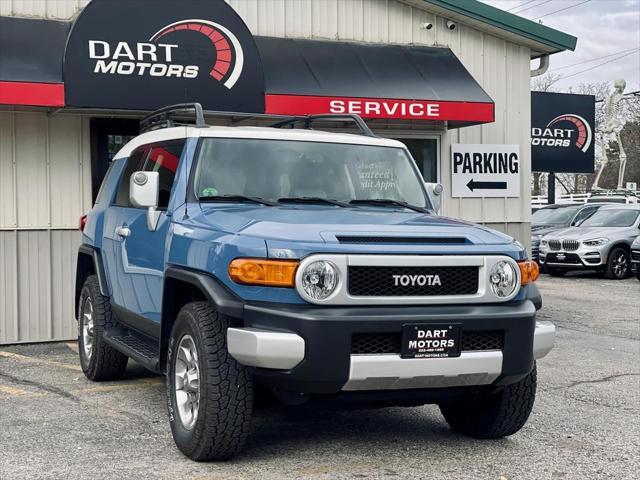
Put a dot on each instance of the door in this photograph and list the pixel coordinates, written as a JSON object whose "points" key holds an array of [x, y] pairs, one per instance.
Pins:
{"points": [[135, 256], [108, 135]]}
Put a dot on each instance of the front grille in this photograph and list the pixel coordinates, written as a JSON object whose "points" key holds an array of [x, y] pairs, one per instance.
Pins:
{"points": [[381, 343], [570, 245], [554, 244], [380, 281]]}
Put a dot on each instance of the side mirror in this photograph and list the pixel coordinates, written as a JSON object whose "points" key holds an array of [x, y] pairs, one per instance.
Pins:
{"points": [[434, 190], [144, 188]]}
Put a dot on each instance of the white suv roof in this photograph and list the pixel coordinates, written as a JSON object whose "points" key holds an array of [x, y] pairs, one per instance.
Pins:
{"points": [[267, 133]]}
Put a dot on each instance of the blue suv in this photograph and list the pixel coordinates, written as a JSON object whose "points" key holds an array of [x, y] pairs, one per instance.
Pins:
{"points": [[298, 263]]}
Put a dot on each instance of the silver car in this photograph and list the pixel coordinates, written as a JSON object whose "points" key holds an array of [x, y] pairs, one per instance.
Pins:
{"points": [[602, 242]]}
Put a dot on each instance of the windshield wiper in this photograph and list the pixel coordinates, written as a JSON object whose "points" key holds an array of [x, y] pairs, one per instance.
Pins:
{"points": [[330, 201], [388, 201], [236, 198]]}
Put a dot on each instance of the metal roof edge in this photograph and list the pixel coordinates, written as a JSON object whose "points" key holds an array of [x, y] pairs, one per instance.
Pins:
{"points": [[496, 17]]}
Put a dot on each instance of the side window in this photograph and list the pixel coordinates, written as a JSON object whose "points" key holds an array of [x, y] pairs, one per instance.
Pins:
{"points": [[163, 157], [133, 165]]}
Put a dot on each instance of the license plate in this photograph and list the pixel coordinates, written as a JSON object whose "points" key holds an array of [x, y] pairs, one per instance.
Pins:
{"points": [[561, 256], [430, 340]]}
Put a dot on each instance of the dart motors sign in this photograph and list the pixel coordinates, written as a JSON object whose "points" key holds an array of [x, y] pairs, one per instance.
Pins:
{"points": [[562, 132], [146, 54], [484, 170]]}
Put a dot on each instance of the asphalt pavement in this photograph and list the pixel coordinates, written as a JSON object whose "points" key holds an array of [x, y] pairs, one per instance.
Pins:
{"points": [[585, 424]]}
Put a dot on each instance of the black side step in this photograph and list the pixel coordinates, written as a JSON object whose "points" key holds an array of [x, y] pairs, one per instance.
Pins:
{"points": [[143, 350]]}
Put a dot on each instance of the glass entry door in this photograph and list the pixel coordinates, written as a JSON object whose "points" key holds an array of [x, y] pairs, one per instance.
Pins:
{"points": [[108, 135], [425, 152]]}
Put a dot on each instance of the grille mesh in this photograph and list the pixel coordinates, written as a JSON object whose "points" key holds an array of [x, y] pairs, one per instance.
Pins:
{"points": [[570, 245], [554, 244], [379, 343], [379, 281]]}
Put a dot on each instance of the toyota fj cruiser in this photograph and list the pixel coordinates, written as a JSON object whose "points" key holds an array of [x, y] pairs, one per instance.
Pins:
{"points": [[306, 263]]}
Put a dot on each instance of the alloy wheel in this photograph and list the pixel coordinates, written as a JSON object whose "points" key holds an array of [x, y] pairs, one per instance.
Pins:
{"points": [[187, 382], [87, 328], [620, 265]]}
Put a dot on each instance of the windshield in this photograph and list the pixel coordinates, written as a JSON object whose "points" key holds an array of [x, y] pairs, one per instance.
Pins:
{"points": [[608, 217], [277, 169], [554, 216]]}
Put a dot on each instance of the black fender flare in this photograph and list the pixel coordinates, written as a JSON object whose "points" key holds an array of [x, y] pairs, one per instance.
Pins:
{"points": [[82, 271], [210, 288]]}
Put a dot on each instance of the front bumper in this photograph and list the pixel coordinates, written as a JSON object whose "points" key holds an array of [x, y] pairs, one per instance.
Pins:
{"points": [[583, 258], [323, 363]]}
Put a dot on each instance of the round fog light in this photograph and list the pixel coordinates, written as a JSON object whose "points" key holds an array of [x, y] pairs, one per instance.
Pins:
{"points": [[320, 279], [503, 279]]}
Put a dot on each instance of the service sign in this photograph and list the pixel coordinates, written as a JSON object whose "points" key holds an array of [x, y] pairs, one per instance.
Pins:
{"points": [[562, 132], [484, 170], [143, 55]]}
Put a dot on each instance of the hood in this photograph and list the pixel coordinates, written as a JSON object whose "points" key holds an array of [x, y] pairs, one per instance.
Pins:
{"points": [[587, 233], [311, 223], [545, 229]]}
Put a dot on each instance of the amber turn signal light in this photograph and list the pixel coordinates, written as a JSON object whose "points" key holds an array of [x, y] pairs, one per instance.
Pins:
{"points": [[529, 271], [255, 271]]}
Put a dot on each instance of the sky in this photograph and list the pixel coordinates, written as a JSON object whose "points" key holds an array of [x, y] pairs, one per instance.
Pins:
{"points": [[603, 28]]}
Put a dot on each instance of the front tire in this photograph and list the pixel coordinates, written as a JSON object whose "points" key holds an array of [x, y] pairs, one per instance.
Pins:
{"points": [[210, 395], [494, 415], [618, 264], [99, 360]]}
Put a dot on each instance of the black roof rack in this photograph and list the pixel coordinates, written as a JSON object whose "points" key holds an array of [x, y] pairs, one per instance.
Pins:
{"points": [[342, 117], [163, 118]]}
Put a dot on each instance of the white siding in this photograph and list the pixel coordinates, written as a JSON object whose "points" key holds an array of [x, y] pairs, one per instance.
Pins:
{"points": [[37, 275], [54, 9], [45, 172]]}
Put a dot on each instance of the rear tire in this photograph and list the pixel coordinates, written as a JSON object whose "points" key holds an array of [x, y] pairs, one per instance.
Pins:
{"points": [[210, 395], [99, 360], [618, 264], [493, 415]]}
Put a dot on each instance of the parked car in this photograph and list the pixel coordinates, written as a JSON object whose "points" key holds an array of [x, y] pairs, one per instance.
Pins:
{"points": [[308, 263], [557, 217], [602, 242], [635, 257], [613, 196]]}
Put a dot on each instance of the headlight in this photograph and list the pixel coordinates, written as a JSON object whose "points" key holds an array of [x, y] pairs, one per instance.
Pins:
{"points": [[320, 279], [503, 278], [636, 243], [595, 242]]}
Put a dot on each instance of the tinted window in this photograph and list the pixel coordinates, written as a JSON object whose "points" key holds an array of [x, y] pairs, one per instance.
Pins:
{"points": [[554, 216], [133, 165], [163, 158]]}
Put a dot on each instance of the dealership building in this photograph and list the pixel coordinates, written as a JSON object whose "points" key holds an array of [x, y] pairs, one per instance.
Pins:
{"points": [[442, 76]]}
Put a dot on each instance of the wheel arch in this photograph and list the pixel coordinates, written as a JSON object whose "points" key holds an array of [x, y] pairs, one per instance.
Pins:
{"points": [[89, 263], [182, 286]]}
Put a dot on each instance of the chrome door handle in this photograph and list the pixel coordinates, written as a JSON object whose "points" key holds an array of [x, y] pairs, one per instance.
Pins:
{"points": [[123, 232]]}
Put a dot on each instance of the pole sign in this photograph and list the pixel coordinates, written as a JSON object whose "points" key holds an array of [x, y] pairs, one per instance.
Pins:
{"points": [[562, 132], [485, 170], [142, 55]]}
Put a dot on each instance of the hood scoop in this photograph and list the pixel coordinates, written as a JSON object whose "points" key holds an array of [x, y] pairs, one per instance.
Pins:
{"points": [[360, 240]]}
